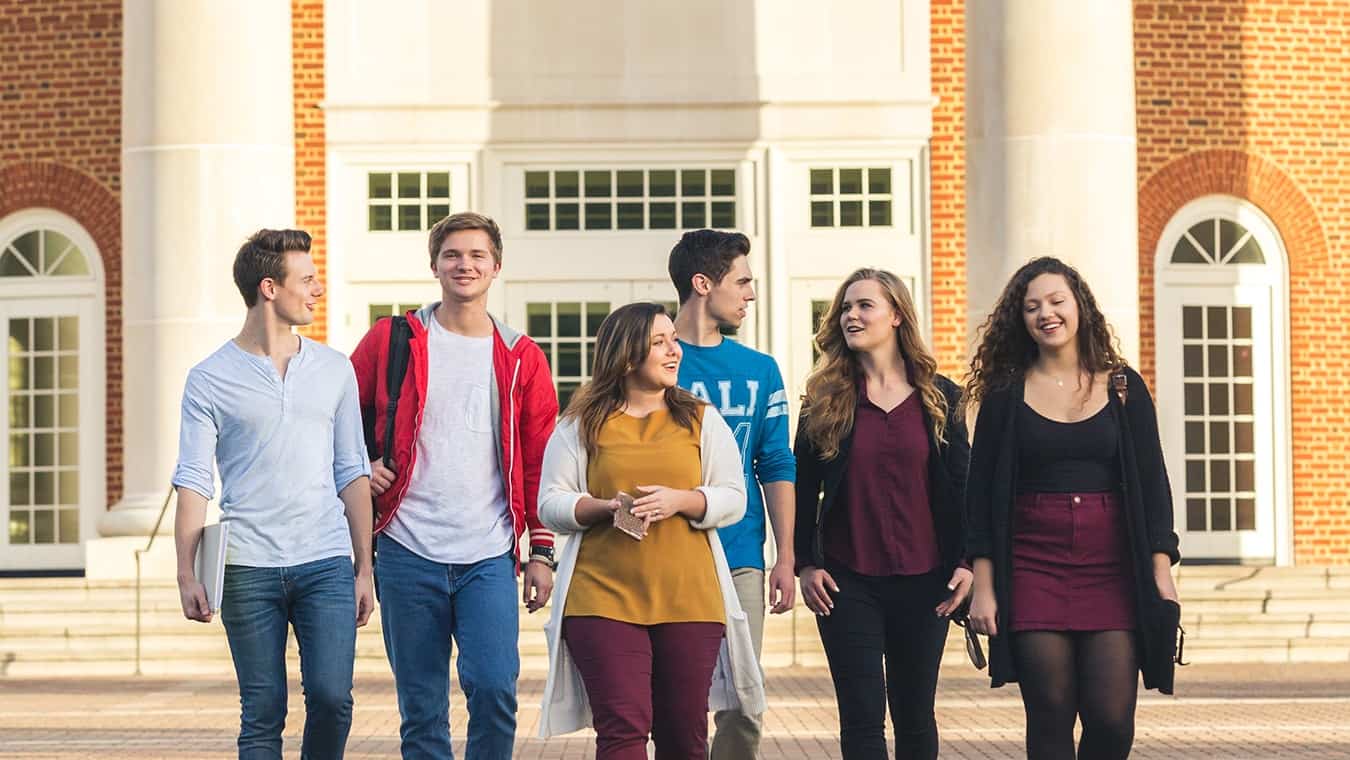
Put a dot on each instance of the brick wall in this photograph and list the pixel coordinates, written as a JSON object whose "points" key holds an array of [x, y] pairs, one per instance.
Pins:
{"points": [[1249, 99], [61, 144], [948, 170], [310, 175]]}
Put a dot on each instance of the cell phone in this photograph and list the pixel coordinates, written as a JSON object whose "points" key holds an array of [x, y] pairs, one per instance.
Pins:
{"points": [[626, 521]]}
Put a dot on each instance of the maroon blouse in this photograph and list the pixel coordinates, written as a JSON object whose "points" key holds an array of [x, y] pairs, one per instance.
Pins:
{"points": [[883, 523]]}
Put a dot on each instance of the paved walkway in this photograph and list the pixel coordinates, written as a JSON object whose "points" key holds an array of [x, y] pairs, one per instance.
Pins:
{"points": [[1223, 712]]}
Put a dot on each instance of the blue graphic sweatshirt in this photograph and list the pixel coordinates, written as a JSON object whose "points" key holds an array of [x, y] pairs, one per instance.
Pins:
{"points": [[746, 387]]}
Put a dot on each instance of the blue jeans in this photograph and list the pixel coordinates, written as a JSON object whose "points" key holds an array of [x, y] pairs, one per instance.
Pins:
{"points": [[423, 605], [319, 599]]}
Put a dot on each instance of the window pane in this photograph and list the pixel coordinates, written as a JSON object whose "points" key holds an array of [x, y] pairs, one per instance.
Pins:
{"points": [[1242, 398], [1192, 323], [10, 266], [723, 182], [536, 184], [1195, 476], [693, 215], [1218, 361], [879, 213], [723, 214], [1246, 514], [630, 216], [565, 184], [44, 526], [1242, 361], [1204, 235], [1195, 398], [44, 334], [435, 213], [69, 372], [69, 487], [44, 411], [69, 334], [850, 213], [822, 181], [379, 185], [409, 217], [1185, 253], [1249, 253], [1229, 233], [822, 213], [438, 185], [18, 489], [630, 184], [597, 185], [1218, 438], [569, 319], [381, 218], [1195, 437], [598, 216], [1245, 470], [44, 449], [567, 216], [693, 183], [72, 264], [20, 375], [1218, 398], [44, 372], [536, 216], [569, 359], [662, 215], [1219, 475], [850, 182], [1242, 322], [1244, 438], [19, 409], [70, 526], [44, 488], [565, 391], [409, 185], [69, 408], [595, 314], [662, 183], [1217, 317], [539, 320], [1221, 514], [20, 527], [1195, 515], [878, 181]]}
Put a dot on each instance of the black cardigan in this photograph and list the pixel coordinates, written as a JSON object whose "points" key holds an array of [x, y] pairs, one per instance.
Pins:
{"points": [[819, 482], [1148, 507]]}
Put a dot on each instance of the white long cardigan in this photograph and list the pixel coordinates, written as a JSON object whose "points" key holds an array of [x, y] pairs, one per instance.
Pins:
{"points": [[738, 683]]}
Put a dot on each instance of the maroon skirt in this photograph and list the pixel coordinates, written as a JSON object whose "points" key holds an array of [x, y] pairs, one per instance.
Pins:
{"points": [[1071, 566]]}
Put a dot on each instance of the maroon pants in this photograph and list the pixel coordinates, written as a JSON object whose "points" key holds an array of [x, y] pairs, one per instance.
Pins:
{"points": [[646, 680]]}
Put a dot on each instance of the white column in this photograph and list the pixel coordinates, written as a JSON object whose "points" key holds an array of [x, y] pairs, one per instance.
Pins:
{"points": [[1050, 149], [208, 158]]}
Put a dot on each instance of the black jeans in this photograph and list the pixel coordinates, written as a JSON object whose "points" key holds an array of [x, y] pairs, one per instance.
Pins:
{"points": [[884, 644]]}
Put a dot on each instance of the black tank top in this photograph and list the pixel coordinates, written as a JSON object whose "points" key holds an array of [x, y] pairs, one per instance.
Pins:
{"points": [[1067, 457]]}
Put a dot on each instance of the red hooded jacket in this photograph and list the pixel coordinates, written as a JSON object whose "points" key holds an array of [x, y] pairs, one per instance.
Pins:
{"points": [[525, 408]]}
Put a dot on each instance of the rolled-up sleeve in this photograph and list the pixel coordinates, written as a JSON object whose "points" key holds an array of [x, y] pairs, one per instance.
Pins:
{"points": [[349, 437], [197, 435]]}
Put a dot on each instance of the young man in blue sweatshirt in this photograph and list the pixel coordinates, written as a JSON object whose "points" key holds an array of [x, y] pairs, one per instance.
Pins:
{"points": [[711, 273]]}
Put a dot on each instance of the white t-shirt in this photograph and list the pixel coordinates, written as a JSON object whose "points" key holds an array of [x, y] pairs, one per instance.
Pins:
{"points": [[455, 509]]}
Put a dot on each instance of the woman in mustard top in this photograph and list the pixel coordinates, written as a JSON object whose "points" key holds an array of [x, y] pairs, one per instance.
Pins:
{"points": [[642, 621]]}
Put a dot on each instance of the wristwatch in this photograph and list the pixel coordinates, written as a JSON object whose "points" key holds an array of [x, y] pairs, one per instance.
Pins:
{"points": [[543, 554]]}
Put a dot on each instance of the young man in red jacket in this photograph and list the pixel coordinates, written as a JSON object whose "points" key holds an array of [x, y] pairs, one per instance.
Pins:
{"points": [[476, 408]]}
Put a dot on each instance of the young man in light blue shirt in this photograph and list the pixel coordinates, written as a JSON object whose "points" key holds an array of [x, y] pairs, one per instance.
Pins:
{"points": [[279, 415], [711, 273]]}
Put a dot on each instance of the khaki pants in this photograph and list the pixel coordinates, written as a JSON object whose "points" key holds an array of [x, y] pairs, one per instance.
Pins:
{"points": [[737, 736]]}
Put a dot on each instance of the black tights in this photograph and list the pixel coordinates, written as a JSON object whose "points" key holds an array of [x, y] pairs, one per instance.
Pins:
{"points": [[1093, 675]]}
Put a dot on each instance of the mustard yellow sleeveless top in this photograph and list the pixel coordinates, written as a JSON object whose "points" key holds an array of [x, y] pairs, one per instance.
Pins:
{"points": [[669, 576]]}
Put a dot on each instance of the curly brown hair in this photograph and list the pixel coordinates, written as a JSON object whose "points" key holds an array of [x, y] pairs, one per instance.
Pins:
{"points": [[1006, 350], [831, 398]]}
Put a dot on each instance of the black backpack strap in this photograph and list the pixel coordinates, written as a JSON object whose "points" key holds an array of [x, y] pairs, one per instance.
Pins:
{"points": [[400, 333]]}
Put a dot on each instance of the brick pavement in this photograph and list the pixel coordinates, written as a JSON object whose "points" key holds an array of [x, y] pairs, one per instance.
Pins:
{"points": [[1285, 711]]}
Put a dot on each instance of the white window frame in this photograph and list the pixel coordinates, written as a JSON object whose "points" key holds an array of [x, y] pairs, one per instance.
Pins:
{"points": [[1171, 284], [83, 296], [678, 200], [422, 200], [836, 197]]}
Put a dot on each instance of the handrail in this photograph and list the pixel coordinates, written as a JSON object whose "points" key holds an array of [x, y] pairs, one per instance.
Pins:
{"points": [[138, 552]]}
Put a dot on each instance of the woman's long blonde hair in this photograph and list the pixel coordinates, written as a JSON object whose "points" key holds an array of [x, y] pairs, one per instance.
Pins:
{"points": [[621, 346], [832, 389]]}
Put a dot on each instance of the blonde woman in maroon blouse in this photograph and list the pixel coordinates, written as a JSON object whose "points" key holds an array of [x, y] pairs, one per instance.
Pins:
{"points": [[881, 471]]}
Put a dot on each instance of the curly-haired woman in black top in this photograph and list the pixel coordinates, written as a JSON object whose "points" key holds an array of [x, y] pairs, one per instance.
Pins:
{"points": [[1070, 517]]}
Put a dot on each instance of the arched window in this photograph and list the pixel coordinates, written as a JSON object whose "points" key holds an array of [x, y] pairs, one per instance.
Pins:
{"points": [[52, 320], [1222, 388]]}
